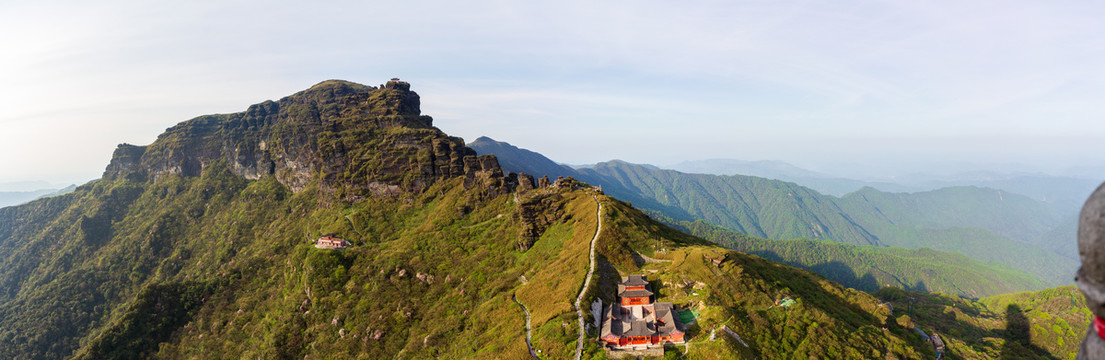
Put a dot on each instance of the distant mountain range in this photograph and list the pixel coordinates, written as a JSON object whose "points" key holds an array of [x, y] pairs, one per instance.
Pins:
{"points": [[984, 224], [1066, 192], [779, 170], [870, 268], [10, 198]]}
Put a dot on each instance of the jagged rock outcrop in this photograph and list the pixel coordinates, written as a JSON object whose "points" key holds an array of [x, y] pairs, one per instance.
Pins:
{"points": [[525, 182], [537, 212], [565, 182], [368, 141], [126, 159]]}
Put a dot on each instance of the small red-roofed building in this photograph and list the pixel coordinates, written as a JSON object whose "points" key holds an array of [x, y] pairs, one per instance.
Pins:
{"points": [[331, 241]]}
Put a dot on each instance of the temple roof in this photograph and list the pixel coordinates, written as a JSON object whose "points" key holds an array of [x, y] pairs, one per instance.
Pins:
{"points": [[666, 314], [667, 323], [634, 293], [607, 321], [635, 280], [637, 328], [662, 321]]}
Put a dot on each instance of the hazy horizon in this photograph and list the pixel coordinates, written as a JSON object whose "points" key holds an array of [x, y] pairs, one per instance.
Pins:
{"points": [[864, 89]]}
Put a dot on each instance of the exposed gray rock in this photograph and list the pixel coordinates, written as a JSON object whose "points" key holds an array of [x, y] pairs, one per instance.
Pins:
{"points": [[126, 159], [368, 141], [1091, 276]]}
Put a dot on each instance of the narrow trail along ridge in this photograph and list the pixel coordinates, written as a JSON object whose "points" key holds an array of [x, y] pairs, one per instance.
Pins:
{"points": [[587, 281], [529, 343]]}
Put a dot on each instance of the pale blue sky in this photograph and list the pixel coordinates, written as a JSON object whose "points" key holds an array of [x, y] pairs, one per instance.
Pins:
{"points": [[864, 87]]}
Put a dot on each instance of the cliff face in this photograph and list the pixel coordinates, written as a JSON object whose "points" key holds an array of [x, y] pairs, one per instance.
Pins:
{"points": [[369, 141]]}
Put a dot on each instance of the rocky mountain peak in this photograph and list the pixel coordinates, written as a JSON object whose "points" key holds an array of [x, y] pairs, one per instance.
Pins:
{"points": [[396, 84], [368, 141]]}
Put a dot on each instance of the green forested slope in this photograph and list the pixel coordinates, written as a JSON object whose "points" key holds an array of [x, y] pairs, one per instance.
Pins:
{"points": [[737, 290], [189, 253], [783, 210], [1013, 216], [870, 268], [1047, 324], [755, 206], [199, 246], [983, 224], [984, 246]]}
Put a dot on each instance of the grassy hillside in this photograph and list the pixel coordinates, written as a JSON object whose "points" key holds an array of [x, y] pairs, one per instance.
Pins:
{"points": [[218, 244], [751, 205], [199, 245], [779, 210], [737, 290], [1047, 324], [983, 224], [219, 264]]}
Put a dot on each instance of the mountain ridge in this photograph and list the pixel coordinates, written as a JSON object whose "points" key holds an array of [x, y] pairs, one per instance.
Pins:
{"points": [[782, 210], [10, 198], [1066, 192], [201, 243]]}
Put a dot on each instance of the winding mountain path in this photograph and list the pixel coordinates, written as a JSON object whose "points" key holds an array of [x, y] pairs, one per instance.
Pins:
{"points": [[587, 281], [529, 343]]}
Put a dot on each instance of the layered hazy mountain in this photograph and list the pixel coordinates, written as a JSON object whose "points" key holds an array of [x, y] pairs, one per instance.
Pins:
{"points": [[511, 157], [779, 170], [984, 224], [9, 198], [1067, 193]]}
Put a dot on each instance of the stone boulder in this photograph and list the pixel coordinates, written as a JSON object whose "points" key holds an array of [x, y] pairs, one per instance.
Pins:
{"points": [[1091, 276]]}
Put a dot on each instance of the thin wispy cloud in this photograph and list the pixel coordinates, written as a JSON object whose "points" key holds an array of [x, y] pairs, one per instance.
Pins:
{"points": [[748, 79]]}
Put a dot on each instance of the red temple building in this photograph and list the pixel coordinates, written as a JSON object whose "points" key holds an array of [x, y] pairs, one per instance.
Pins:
{"points": [[634, 322]]}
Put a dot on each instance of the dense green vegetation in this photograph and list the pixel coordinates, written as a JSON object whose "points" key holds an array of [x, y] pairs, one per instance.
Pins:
{"points": [[250, 242], [1010, 215], [870, 268], [189, 248], [1047, 324], [200, 244], [737, 290], [218, 264], [965, 220], [1065, 193], [983, 224]]}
